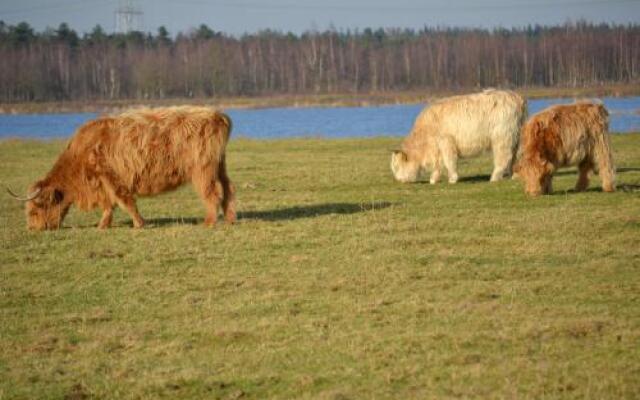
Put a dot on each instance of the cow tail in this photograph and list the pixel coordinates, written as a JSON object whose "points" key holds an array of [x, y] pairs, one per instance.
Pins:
{"points": [[524, 113], [516, 151], [603, 151], [226, 121], [228, 189]]}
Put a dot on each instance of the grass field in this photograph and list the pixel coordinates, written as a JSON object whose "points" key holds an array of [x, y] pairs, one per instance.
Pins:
{"points": [[336, 283]]}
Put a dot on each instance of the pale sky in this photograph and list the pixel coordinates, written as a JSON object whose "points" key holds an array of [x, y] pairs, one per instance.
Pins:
{"points": [[247, 16]]}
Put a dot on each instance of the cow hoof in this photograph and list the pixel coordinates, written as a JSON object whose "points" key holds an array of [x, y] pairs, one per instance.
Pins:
{"points": [[230, 218]]}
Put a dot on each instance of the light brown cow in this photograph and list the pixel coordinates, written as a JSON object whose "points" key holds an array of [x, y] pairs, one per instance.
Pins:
{"points": [[564, 135], [142, 152]]}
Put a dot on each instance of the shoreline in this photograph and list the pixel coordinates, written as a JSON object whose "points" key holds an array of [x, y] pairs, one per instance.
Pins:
{"points": [[313, 100]]}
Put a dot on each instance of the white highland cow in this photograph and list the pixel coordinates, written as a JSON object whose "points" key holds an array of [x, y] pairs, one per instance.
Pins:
{"points": [[462, 126]]}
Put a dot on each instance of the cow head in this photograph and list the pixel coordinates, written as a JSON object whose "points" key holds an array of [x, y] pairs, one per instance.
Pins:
{"points": [[533, 176], [45, 206], [404, 169]]}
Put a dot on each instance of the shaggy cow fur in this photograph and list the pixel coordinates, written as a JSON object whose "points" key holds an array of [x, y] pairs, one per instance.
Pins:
{"points": [[564, 135], [462, 126], [142, 152]]}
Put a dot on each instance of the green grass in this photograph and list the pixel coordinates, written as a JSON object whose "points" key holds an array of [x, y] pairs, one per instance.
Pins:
{"points": [[336, 283]]}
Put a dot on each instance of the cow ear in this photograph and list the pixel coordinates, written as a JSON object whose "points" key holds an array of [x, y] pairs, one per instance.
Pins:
{"points": [[401, 154]]}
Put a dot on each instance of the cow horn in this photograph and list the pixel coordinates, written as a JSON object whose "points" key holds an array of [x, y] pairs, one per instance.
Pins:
{"points": [[30, 196]]}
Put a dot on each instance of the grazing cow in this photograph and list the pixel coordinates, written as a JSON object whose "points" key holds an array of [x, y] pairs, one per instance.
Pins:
{"points": [[142, 152], [564, 135], [462, 126]]}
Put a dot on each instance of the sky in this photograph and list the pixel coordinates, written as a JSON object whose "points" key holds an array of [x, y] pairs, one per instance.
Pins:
{"points": [[237, 17]]}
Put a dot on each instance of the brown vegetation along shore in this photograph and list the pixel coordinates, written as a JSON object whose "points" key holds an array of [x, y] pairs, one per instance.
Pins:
{"points": [[317, 100]]}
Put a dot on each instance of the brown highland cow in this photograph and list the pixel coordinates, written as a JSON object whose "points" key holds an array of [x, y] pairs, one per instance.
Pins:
{"points": [[564, 135], [142, 152]]}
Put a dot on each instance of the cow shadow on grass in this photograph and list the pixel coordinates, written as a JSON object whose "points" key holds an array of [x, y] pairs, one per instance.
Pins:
{"points": [[574, 171], [282, 214], [478, 179], [628, 187], [563, 172], [474, 179], [461, 179], [620, 187], [627, 169], [485, 178]]}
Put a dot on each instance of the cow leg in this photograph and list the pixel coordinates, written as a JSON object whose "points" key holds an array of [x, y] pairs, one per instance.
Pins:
{"points": [[211, 192], [435, 171], [124, 199], [229, 195], [107, 217], [435, 176], [583, 175], [449, 155], [502, 158], [607, 174], [128, 204], [547, 186], [451, 164], [229, 203]]}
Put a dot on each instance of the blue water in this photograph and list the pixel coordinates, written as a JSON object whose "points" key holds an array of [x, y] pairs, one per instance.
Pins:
{"points": [[330, 122]]}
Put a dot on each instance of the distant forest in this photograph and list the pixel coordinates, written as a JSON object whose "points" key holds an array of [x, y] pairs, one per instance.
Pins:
{"points": [[60, 64]]}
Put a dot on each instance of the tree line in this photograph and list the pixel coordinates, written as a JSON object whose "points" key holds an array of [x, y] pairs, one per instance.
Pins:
{"points": [[60, 64]]}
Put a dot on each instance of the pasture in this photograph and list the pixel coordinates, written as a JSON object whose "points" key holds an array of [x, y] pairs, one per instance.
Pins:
{"points": [[336, 283]]}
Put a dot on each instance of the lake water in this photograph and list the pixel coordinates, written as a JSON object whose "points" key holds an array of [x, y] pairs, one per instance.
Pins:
{"points": [[327, 122]]}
